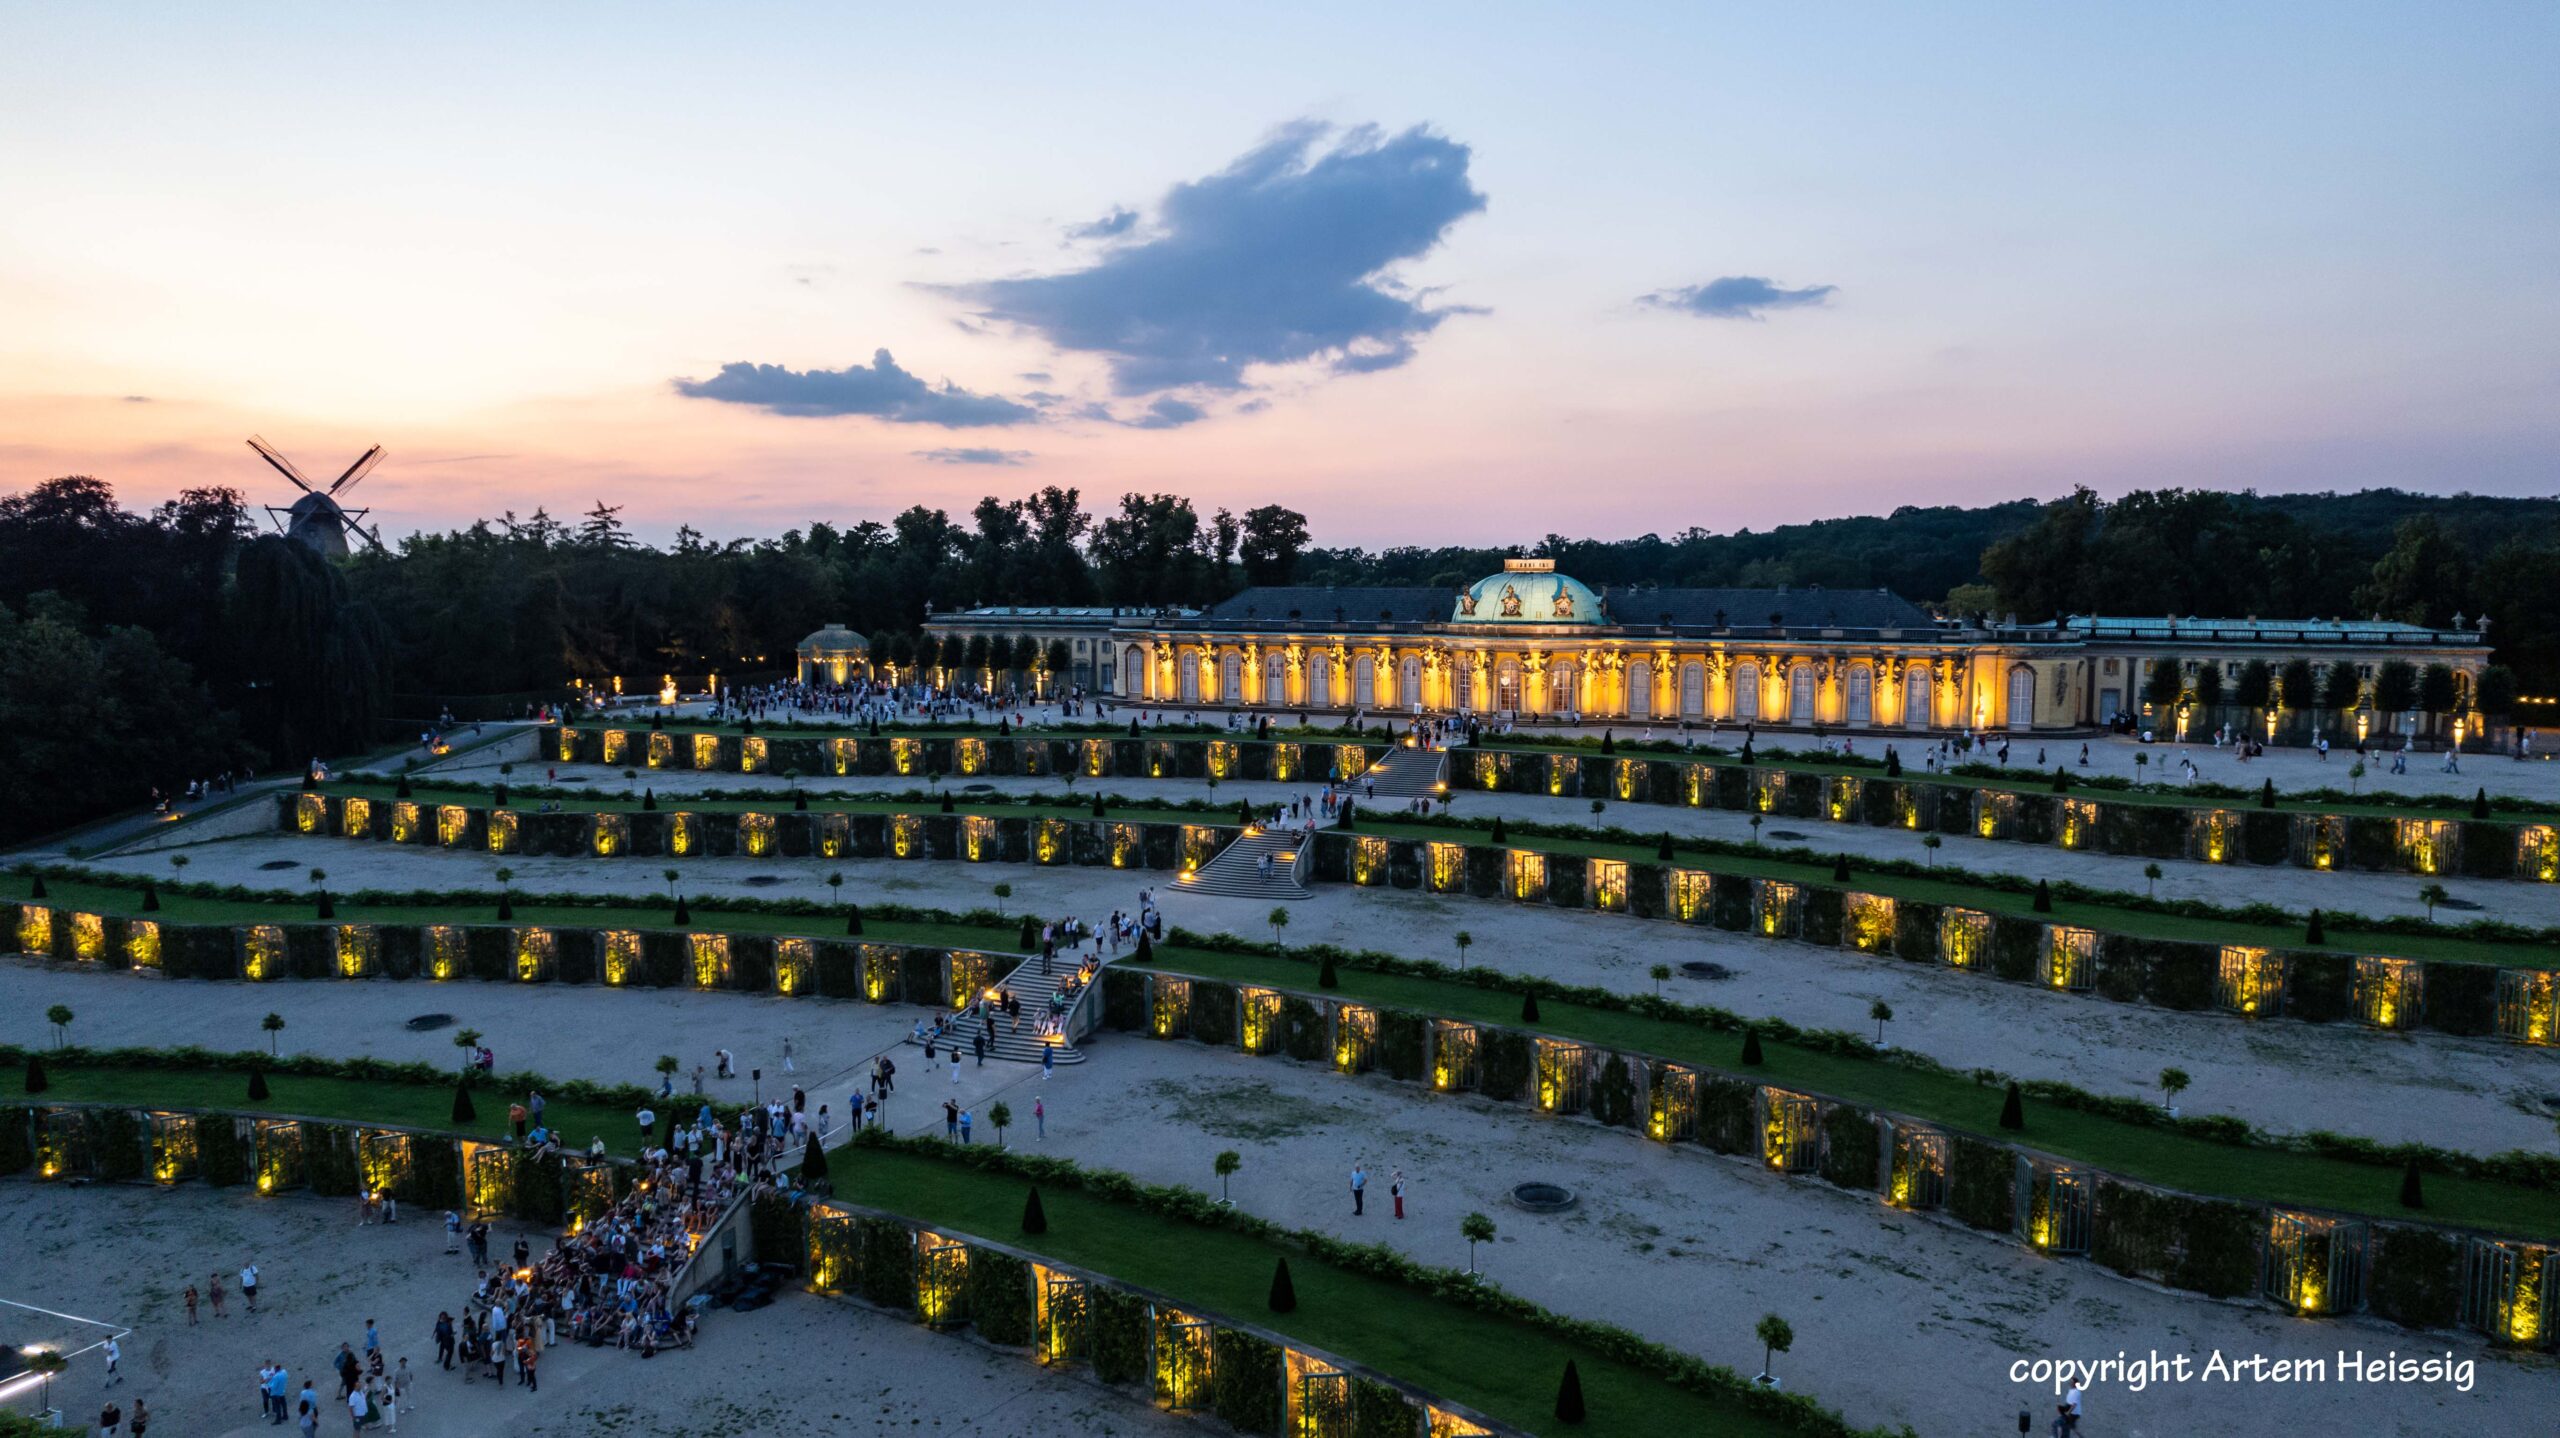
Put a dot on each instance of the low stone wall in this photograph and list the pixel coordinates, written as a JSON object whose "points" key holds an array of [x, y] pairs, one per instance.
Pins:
{"points": [[2307, 1262]]}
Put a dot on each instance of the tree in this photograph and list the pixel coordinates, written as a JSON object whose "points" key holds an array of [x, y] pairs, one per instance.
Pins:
{"points": [[1284, 1289], [1882, 1013], [2173, 1082], [1776, 1336], [1930, 842], [2151, 880], [1279, 921], [48, 1365], [2436, 690], [671, 876], [2395, 687], [2298, 685], [2254, 686], [1475, 1228], [1001, 1115], [2206, 684], [320, 887], [2355, 776], [2432, 895], [2166, 684], [667, 1065], [1002, 893], [2497, 692], [274, 1026], [1466, 941], [467, 1040], [1272, 540], [2425, 574], [2342, 687], [60, 1017], [1225, 1166], [1658, 973]]}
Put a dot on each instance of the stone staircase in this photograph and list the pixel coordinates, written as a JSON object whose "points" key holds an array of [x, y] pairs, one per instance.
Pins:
{"points": [[1236, 871], [1403, 773], [1033, 989]]}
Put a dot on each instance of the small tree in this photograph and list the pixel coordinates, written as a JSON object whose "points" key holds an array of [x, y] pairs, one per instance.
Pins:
{"points": [[1658, 973], [1932, 843], [2141, 763], [506, 894], [667, 1065], [60, 1017], [274, 1026], [179, 863], [1278, 919], [2151, 880], [1002, 893], [670, 875], [2173, 1082], [1882, 1013], [2432, 895], [835, 885], [1466, 941], [467, 1040], [2355, 777], [49, 1365], [1001, 1115], [1475, 1228], [1756, 822], [1776, 1336], [1225, 1165]]}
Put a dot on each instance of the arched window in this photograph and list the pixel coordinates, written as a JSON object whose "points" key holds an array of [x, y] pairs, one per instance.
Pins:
{"points": [[1465, 698], [1693, 690], [1231, 679], [2022, 698], [1106, 670], [1506, 685], [1564, 687], [1640, 689], [1746, 691], [1916, 698], [1862, 695], [1409, 684], [1186, 668], [1275, 678], [1320, 681], [1800, 683], [1364, 681], [1134, 673]]}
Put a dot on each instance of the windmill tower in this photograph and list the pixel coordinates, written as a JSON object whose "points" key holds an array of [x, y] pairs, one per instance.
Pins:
{"points": [[317, 518]]}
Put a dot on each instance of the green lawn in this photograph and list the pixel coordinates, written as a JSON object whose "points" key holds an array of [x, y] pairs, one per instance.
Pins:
{"points": [[1504, 1369], [403, 1105], [2160, 1156]]}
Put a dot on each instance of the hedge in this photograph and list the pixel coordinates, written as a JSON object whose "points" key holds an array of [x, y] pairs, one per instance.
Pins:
{"points": [[1245, 1380], [999, 1297]]}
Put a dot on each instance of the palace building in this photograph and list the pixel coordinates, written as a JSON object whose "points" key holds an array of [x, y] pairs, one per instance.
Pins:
{"points": [[1529, 641]]}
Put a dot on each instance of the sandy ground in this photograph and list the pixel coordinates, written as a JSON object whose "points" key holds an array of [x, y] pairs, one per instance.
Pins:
{"points": [[323, 1276], [2476, 1094]]}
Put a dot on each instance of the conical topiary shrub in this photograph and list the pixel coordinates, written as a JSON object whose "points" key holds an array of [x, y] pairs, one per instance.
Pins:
{"points": [[2044, 898], [1097, 806], [2480, 804], [1840, 869], [1529, 1007], [36, 1080], [327, 908], [464, 1111], [648, 799], [506, 906], [1035, 1219], [853, 920], [946, 804], [36, 889], [257, 1085], [1029, 936], [799, 802], [1569, 1407], [403, 790], [150, 896], [1497, 829], [1133, 728], [813, 1165], [2315, 932], [2061, 780], [684, 912], [2412, 1191], [1145, 953], [498, 796], [1326, 978], [1751, 1047], [1662, 851], [1284, 1290], [2013, 1109], [2267, 794]]}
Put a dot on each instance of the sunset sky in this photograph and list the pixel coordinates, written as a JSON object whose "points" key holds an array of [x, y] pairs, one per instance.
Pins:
{"points": [[1427, 273]]}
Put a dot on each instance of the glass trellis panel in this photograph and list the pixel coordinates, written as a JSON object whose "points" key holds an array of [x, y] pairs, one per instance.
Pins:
{"points": [[970, 976], [835, 1250], [278, 1143], [835, 836], [621, 956], [1528, 875], [1564, 1072], [2427, 846], [1368, 860], [1258, 1011], [262, 955], [1673, 1113], [142, 943], [612, 835], [1168, 1006], [568, 750], [488, 1177], [883, 977], [1456, 1063], [1790, 1131], [88, 937], [1319, 1400], [1768, 789], [173, 1146], [970, 755], [1868, 923], [795, 966], [2315, 1266], [1689, 890], [536, 949], [2054, 1204], [1918, 1175], [2211, 835], [706, 751], [1094, 758], [2319, 840], [1445, 1424], [2079, 822], [1128, 846], [586, 1189], [662, 751], [906, 755], [2070, 958], [1185, 1363], [1065, 1321], [684, 834], [710, 961], [617, 745], [1777, 908], [359, 951], [2251, 983], [2390, 993], [2538, 853], [1964, 937], [382, 1161], [310, 813], [942, 1276], [453, 825], [1609, 885], [1448, 867], [755, 835], [1995, 813], [405, 818], [906, 836], [2511, 1291], [751, 756], [355, 818], [2527, 1001], [978, 838], [1841, 803], [1050, 844], [1355, 1039], [502, 831], [842, 756], [63, 1148]]}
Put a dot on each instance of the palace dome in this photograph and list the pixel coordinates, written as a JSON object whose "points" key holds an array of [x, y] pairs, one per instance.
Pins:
{"points": [[1528, 591]]}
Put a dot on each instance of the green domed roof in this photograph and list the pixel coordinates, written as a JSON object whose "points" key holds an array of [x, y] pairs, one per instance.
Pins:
{"points": [[1528, 591]]}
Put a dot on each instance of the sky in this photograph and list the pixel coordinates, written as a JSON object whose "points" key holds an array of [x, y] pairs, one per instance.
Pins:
{"points": [[1427, 273]]}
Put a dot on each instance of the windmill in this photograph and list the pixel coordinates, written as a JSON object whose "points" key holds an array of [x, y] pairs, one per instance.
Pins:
{"points": [[318, 519]]}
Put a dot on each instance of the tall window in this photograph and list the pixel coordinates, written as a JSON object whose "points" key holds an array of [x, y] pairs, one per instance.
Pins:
{"points": [[1746, 691]]}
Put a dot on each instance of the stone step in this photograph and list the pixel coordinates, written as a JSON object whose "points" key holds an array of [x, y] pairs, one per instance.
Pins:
{"points": [[1403, 773], [1236, 870], [1033, 988]]}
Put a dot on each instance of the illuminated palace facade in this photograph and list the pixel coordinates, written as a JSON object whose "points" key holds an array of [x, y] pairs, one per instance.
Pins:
{"points": [[1529, 641]]}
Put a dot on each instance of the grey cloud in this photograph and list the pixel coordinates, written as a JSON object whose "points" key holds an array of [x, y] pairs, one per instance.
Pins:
{"points": [[1110, 226], [883, 391], [1169, 413], [977, 455], [1736, 297], [1280, 257]]}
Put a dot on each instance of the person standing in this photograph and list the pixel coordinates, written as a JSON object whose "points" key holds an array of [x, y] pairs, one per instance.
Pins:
{"points": [[1359, 1189], [1395, 1190], [110, 1421], [452, 1231], [788, 1065], [115, 1355], [248, 1288], [950, 1121], [444, 1342], [964, 1125], [141, 1419], [191, 1305], [1040, 1119], [213, 1291]]}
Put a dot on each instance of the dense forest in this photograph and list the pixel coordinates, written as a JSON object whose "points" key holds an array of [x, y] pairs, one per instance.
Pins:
{"points": [[146, 649]]}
